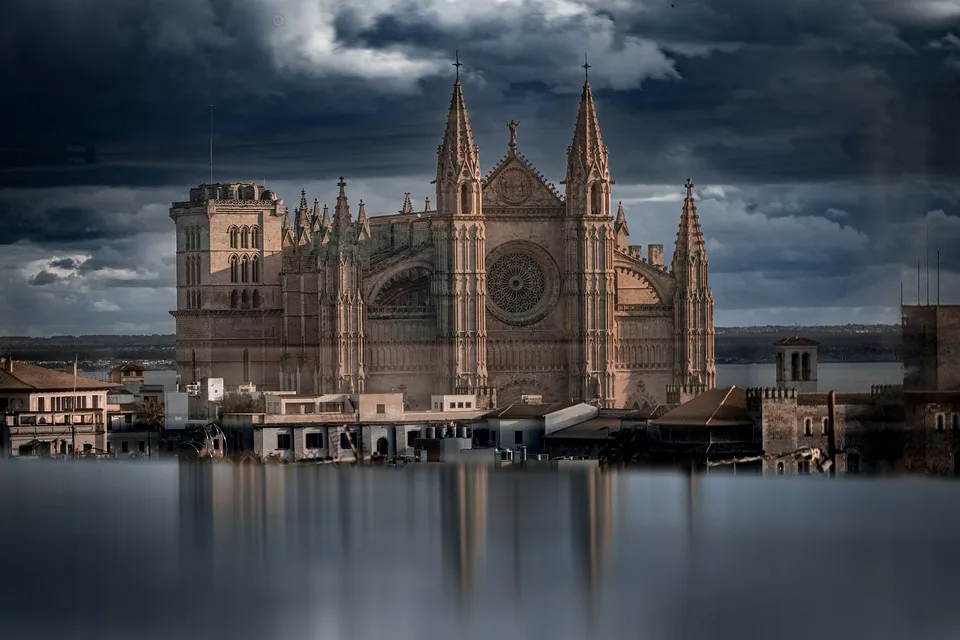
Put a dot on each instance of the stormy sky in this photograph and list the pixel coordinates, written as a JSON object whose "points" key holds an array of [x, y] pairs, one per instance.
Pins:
{"points": [[821, 134]]}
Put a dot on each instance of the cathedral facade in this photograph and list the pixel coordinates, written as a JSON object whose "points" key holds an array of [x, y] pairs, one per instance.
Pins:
{"points": [[504, 287]]}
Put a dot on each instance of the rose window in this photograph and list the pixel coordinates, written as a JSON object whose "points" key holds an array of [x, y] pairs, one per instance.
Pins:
{"points": [[516, 283]]}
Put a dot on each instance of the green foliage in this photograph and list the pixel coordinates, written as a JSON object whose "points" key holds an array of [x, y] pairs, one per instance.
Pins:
{"points": [[151, 415], [242, 403]]}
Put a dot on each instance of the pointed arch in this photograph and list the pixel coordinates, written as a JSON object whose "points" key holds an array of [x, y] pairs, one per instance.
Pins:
{"points": [[246, 365], [234, 237], [245, 299], [193, 365], [234, 269], [244, 269], [466, 201], [255, 238], [199, 300], [234, 299], [197, 269], [245, 237], [256, 299], [255, 269]]}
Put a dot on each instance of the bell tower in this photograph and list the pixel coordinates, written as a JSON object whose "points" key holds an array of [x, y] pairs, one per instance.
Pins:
{"points": [[589, 241], [459, 278]]}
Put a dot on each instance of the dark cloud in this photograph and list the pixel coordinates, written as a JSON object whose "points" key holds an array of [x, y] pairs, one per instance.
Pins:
{"points": [[821, 132]]}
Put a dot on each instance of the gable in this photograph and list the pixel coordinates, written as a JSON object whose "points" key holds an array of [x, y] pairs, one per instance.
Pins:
{"points": [[514, 183]]}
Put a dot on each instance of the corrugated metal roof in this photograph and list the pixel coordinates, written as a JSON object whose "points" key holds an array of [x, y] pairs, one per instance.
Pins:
{"points": [[521, 410]]}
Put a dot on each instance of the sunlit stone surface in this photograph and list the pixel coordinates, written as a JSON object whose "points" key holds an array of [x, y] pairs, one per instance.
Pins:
{"points": [[201, 551]]}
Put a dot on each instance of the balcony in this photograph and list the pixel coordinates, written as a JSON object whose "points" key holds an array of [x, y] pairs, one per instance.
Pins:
{"points": [[56, 419]]}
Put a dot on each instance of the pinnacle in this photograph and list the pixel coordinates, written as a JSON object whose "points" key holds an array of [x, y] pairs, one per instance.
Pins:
{"points": [[689, 233], [458, 135]]}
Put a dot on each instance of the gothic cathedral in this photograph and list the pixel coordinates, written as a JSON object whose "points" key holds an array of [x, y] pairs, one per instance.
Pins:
{"points": [[507, 287]]}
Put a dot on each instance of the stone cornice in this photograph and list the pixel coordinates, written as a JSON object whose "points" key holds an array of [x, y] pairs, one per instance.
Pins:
{"points": [[226, 313]]}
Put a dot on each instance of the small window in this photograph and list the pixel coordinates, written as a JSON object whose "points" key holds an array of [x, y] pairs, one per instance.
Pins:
{"points": [[807, 427], [826, 426], [956, 420], [939, 422], [216, 444], [452, 405], [87, 448], [412, 436], [381, 408], [436, 405], [853, 462], [283, 441], [344, 441], [803, 467], [459, 405], [779, 468], [315, 441], [142, 445], [109, 448], [125, 446], [469, 405], [518, 437]]}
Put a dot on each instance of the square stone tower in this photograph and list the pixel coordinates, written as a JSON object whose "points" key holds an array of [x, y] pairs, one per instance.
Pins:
{"points": [[797, 364]]}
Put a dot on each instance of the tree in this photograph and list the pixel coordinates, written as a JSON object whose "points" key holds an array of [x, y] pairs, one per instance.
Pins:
{"points": [[242, 403], [151, 415]]}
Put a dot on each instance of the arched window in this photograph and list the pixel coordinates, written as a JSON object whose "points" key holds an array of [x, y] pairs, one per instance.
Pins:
{"points": [[805, 366], [939, 422], [255, 269], [795, 366], [596, 193], [255, 238], [779, 468], [234, 299], [234, 269], [383, 446], [193, 365], [196, 238], [465, 200], [196, 270], [853, 462], [187, 266], [245, 238], [244, 269], [807, 427], [244, 300], [233, 237], [256, 299], [246, 365], [199, 301]]}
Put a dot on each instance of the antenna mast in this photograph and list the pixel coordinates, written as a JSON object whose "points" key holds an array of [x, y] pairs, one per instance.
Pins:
{"points": [[928, 263], [938, 277]]}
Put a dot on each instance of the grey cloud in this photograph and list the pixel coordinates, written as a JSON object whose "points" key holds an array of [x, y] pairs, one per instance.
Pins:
{"points": [[44, 278]]}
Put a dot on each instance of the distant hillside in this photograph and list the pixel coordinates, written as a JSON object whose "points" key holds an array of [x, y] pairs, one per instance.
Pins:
{"points": [[734, 345]]}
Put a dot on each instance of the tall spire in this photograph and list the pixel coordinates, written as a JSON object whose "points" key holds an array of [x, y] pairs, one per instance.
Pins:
{"points": [[587, 146], [458, 148], [363, 224], [341, 213], [689, 235]]}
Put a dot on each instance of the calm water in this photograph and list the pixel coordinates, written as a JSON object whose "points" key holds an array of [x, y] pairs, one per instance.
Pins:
{"points": [[841, 376], [159, 550]]}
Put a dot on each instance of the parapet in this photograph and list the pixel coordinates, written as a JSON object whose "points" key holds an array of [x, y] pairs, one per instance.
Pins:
{"points": [[655, 254], [681, 393], [771, 393], [886, 389]]}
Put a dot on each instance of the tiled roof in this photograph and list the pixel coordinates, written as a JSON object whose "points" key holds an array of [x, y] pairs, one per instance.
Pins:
{"points": [[796, 341], [30, 377], [592, 429], [714, 408]]}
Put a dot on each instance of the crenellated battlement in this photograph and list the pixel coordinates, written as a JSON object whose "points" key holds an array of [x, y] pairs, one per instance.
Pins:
{"points": [[886, 389], [771, 393], [681, 393]]}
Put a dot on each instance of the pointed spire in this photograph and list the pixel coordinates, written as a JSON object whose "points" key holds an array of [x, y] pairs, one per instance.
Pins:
{"points": [[620, 224], [315, 214], [325, 217], [341, 213], [457, 147], [407, 204], [363, 224], [300, 213], [689, 235], [587, 147]]}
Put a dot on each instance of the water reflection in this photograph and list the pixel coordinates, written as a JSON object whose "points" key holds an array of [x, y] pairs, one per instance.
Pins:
{"points": [[200, 550]]}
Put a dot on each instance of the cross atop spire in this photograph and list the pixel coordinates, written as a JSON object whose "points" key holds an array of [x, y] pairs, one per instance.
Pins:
{"points": [[586, 68], [457, 63], [689, 187], [341, 183]]}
